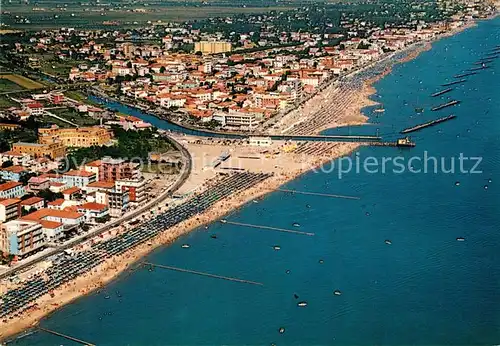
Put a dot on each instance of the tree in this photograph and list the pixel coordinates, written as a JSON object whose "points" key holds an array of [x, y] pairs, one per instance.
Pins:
{"points": [[162, 69], [26, 177], [129, 64], [7, 163], [49, 196]]}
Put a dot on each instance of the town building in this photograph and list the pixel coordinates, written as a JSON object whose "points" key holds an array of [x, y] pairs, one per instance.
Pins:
{"points": [[21, 238], [136, 189], [66, 217], [10, 209], [93, 211], [75, 137], [13, 173], [12, 189], [37, 184], [32, 204], [77, 178], [53, 150], [117, 169], [212, 47]]}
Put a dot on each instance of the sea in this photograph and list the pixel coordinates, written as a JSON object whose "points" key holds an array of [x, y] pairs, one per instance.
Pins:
{"points": [[393, 254]]}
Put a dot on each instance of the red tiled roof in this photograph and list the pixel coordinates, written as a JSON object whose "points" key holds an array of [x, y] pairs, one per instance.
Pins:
{"points": [[93, 206], [50, 224], [46, 212], [71, 191], [76, 173], [9, 185], [102, 184], [32, 200], [10, 201]]}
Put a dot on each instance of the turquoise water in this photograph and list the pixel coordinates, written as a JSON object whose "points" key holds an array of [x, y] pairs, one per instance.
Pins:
{"points": [[426, 288]]}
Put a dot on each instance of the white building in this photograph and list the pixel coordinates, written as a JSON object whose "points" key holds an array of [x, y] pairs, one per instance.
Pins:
{"points": [[20, 238]]}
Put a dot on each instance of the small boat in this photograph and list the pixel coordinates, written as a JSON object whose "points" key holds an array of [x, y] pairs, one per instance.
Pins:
{"points": [[107, 297], [489, 180], [296, 224], [460, 239], [457, 183], [213, 236], [337, 292], [302, 304], [281, 330], [419, 110], [206, 227], [296, 296], [308, 206], [223, 221], [288, 271], [321, 261], [486, 187], [277, 247], [379, 110], [388, 242], [185, 246], [255, 201]]}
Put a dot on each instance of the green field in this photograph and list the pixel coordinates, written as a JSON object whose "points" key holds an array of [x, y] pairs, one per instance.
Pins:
{"points": [[75, 117], [5, 102], [6, 85], [23, 82], [94, 17]]}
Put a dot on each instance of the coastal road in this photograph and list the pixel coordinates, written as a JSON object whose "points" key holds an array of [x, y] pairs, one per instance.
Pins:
{"points": [[186, 171]]}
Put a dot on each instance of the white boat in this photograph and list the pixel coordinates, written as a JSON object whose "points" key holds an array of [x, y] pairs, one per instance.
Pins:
{"points": [[185, 246], [388, 242], [277, 247], [302, 304], [337, 292], [223, 221], [460, 239]]}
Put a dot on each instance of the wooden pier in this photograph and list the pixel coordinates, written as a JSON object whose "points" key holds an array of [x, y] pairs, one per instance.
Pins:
{"points": [[67, 337], [317, 194], [267, 228], [182, 270]]}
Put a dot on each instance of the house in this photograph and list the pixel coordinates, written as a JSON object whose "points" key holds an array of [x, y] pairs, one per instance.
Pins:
{"points": [[71, 193], [21, 238], [12, 189], [35, 108], [136, 189], [10, 209], [36, 184], [78, 178], [93, 211], [33, 203], [13, 173], [66, 217], [52, 230]]}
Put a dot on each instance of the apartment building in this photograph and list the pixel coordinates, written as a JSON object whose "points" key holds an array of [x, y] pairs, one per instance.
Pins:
{"points": [[10, 209], [21, 238], [12, 189]]}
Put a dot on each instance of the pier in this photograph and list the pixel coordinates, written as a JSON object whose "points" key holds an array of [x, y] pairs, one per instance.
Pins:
{"points": [[483, 67], [439, 93], [189, 271], [455, 82], [67, 337], [266, 228], [464, 74], [317, 194], [445, 105], [427, 124]]}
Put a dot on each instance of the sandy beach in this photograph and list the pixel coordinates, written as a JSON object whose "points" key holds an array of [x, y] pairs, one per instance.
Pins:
{"points": [[286, 164]]}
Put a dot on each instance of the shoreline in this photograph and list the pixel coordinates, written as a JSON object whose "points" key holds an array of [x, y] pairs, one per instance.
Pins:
{"points": [[117, 266]]}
